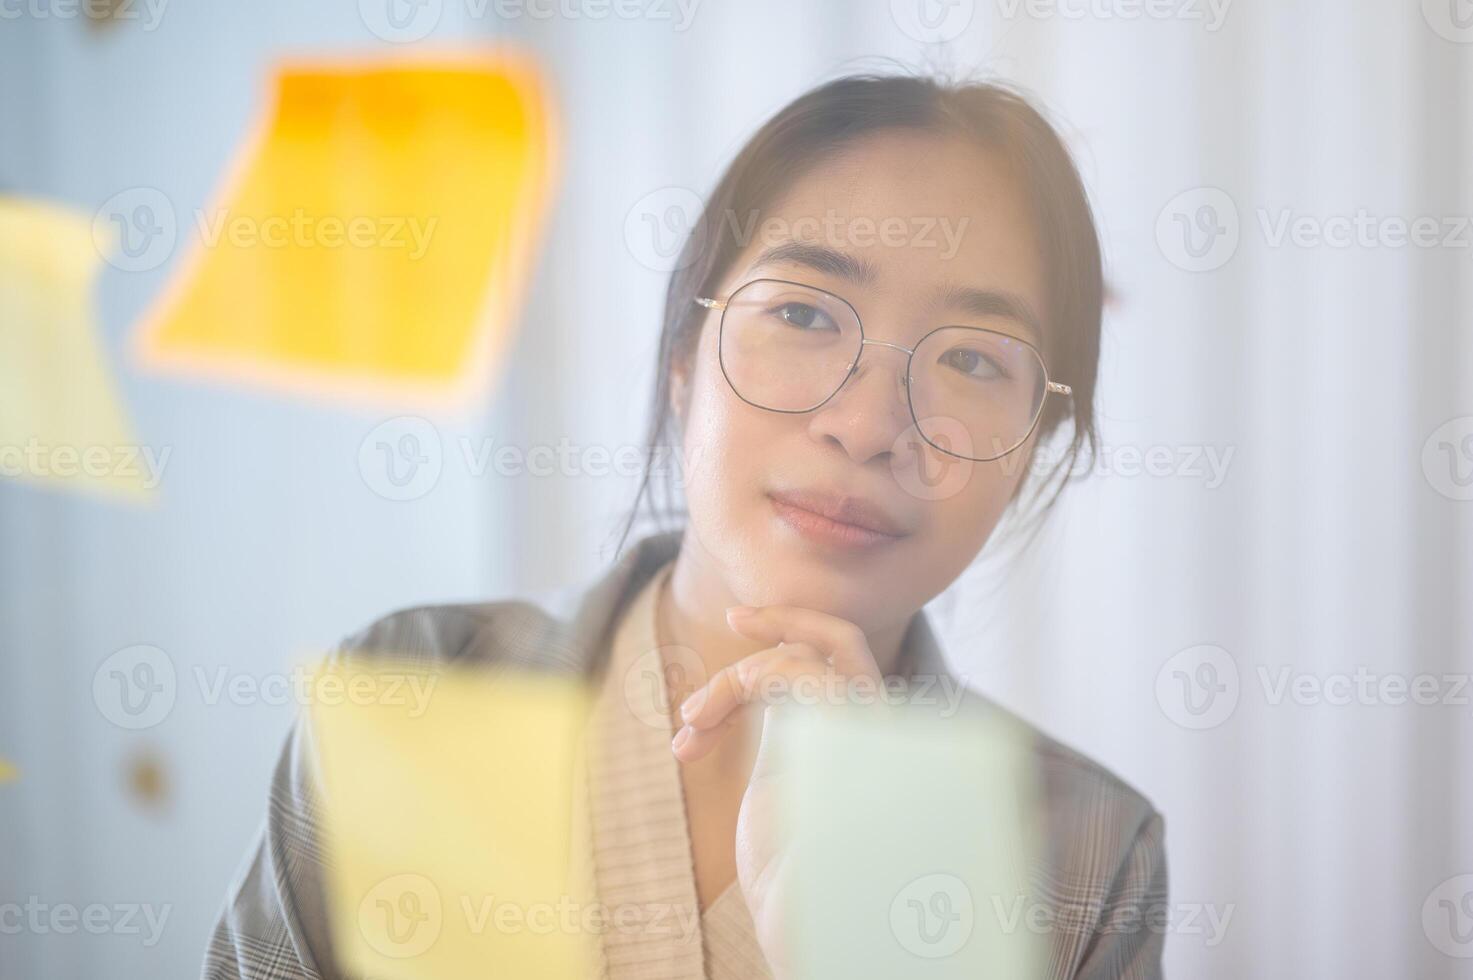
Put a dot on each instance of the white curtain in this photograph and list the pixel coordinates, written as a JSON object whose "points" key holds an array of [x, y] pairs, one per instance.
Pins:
{"points": [[1281, 517], [1261, 521]]}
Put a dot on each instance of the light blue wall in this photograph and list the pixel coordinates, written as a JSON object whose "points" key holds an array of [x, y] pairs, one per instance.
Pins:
{"points": [[265, 542]]}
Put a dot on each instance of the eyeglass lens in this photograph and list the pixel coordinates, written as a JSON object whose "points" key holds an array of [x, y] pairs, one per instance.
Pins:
{"points": [[788, 347]]}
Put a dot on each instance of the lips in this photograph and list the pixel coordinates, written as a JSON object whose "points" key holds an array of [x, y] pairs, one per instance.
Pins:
{"points": [[850, 510]]}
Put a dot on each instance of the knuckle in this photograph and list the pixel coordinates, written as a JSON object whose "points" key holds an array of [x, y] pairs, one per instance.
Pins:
{"points": [[746, 672], [801, 651]]}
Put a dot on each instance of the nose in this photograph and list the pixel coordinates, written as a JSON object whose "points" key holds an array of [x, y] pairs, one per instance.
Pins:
{"points": [[871, 410]]}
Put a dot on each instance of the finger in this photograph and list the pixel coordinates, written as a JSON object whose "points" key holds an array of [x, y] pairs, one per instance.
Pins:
{"points": [[842, 641], [768, 762], [740, 683], [691, 743]]}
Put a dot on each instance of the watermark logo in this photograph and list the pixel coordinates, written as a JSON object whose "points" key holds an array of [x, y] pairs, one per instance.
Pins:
{"points": [[1198, 687], [659, 680], [401, 916], [400, 21], [933, 916], [1198, 230], [135, 687], [1447, 458], [932, 475], [657, 227], [1447, 917], [135, 230], [401, 459], [1451, 19], [932, 21]]}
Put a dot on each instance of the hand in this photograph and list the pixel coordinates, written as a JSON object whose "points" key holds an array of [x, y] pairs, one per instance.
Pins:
{"points": [[808, 648]]}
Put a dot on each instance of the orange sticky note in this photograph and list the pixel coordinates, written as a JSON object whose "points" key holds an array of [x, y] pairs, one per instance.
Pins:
{"points": [[449, 809], [375, 237]]}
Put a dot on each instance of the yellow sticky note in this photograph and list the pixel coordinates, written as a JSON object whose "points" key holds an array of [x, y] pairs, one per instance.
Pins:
{"points": [[61, 421], [375, 237], [911, 831], [449, 815]]}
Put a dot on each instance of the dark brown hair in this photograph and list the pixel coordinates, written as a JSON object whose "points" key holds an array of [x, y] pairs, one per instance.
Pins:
{"points": [[833, 116]]}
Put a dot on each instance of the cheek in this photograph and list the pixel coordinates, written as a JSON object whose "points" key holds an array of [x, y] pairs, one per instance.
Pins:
{"points": [[723, 444], [964, 500]]}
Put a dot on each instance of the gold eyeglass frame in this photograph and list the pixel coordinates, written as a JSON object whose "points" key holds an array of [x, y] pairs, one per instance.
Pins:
{"points": [[1050, 386]]}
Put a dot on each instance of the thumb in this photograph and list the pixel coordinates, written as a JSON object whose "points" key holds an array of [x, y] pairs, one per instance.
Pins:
{"points": [[775, 744]]}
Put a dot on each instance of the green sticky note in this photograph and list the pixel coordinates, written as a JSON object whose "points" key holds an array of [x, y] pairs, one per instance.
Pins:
{"points": [[912, 833]]}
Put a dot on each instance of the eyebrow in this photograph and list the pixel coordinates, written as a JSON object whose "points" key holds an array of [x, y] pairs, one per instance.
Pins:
{"points": [[820, 258], [861, 272], [991, 302]]}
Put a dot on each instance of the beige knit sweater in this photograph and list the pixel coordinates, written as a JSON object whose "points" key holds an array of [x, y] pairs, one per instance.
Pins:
{"points": [[631, 840]]}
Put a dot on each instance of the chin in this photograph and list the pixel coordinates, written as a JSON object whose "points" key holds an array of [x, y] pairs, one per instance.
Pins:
{"points": [[794, 573]]}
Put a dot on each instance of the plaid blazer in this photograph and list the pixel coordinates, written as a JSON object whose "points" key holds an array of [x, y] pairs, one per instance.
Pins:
{"points": [[1103, 873]]}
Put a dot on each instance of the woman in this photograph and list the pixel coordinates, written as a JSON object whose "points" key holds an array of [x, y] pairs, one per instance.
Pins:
{"points": [[893, 296]]}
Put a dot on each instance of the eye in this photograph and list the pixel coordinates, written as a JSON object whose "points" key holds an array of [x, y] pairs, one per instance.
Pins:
{"points": [[803, 316], [975, 364]]}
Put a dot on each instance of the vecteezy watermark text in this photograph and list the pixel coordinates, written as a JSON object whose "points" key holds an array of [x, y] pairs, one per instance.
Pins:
{"points": [[137, 229], [43, 460], [38, 917], [303, 229], [403, 458], [137, 687], [1200, 229], [658, 226], [1211, 13], [1200, 687], [150, 12], [403, 915], [408, 21]]}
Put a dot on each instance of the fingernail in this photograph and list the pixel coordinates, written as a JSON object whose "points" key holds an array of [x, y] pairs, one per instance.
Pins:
{"points": [[681, 737], [738, 611], [693, 704]]}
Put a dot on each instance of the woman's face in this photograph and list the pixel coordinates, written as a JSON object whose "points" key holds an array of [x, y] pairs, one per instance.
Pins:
{"points": [[914, 231]]}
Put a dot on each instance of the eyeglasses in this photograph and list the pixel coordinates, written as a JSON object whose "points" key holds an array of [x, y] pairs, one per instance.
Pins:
{"points": [[973, 393]]}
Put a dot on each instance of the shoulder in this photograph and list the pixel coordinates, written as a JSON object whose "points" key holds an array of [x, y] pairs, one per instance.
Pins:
{"points": [[1104, 837], [525, 629], [1077, 782], [563, 628], [1103, 877], [1072, 782]]}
